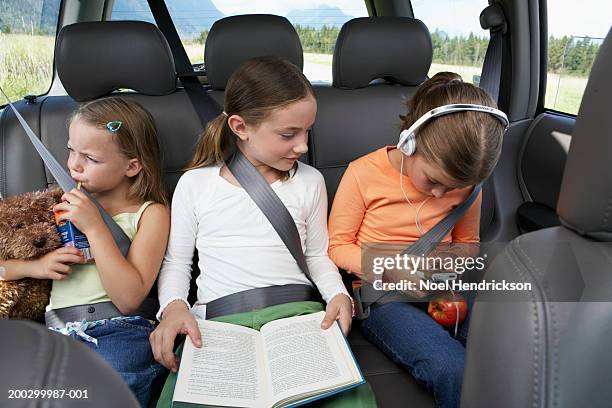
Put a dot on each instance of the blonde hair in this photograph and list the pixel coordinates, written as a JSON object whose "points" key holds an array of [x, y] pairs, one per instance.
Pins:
{"points": [[136, 139], [465, 145], [258, 87]]}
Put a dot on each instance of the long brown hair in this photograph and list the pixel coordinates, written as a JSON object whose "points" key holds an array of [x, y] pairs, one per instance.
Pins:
{"points": [[465, 145], [254, 90], [136, 138]]}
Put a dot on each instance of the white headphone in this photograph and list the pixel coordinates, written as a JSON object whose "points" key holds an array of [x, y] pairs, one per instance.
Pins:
{"points": [[407, 140]]}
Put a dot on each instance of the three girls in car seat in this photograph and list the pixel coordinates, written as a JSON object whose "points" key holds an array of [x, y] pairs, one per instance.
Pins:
{"points": [[269, 108], [114, 154], [396, 194]]}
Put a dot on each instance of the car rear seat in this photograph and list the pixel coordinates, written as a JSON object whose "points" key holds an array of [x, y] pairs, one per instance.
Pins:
{"points": [[378, 63]]}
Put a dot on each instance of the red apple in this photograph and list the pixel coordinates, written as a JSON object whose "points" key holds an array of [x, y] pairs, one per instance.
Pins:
{"points": [[443, 309]]}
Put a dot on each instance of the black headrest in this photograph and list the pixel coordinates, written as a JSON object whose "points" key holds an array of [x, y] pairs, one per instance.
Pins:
{"points": [[585, 199], [234, 40], [395, 48], [96, 58]]}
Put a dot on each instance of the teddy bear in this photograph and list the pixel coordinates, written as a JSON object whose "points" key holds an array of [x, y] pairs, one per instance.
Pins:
{"points": [[27, 231]]}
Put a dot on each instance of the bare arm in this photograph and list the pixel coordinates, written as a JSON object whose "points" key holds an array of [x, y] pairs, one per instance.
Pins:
{"points": [[345, 220], [54, 265], [127, 281]]}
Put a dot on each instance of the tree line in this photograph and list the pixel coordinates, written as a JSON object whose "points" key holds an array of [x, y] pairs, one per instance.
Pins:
{"points": [[571, 55]]}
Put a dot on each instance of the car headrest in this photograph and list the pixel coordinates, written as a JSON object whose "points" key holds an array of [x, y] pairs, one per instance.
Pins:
{"points": [[398, 49], [585, 200], [96, 58], [236, 39]]}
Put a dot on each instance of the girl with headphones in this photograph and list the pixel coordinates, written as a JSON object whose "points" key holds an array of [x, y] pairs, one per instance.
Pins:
{"points": [[450, 141]]}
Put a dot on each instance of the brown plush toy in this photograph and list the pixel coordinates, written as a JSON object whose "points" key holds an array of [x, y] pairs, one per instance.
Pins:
{"points": [[27, 231]]}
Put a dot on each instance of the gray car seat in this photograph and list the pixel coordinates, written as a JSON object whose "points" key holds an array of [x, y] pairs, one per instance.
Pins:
{"points": [[549, 347], [378, 63], [35, 358]]}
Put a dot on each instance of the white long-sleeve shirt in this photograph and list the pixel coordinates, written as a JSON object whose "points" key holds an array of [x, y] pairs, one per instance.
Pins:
{"points": [[237, 246]]}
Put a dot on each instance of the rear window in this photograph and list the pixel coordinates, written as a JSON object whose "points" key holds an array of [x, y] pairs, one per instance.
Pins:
{"points": [[27, 40], [574, 37], [459, 43], [316, 22]]}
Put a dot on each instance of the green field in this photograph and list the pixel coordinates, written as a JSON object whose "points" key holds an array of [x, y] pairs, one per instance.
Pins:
{"points": [[26, 67], [26, 64]]}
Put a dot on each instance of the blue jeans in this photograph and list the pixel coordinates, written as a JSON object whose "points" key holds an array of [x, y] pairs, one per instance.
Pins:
{"points": [[124, 344], [412, 339]]}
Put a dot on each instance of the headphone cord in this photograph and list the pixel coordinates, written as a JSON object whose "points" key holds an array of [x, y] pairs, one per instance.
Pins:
{"points": [[418, 224], [416, 218]]}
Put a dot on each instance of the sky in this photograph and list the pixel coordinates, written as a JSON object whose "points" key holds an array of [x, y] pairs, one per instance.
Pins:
{"points": [[566, 17], [354, 8]]}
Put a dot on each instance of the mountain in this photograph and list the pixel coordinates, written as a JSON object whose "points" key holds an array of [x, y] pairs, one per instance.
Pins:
{"points": [[317, 17], [190, 17]]}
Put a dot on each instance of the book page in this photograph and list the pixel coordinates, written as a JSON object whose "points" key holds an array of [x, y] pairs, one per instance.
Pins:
{"points": [[227, 369], [301, 357]]}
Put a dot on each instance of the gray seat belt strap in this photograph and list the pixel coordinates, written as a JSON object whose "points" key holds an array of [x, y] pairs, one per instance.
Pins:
{"points": [[432, 238], [270, 205], [366, 295], [67, 183], [493, 19]]}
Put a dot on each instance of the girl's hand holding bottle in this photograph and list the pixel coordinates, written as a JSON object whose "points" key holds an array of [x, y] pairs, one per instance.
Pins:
{"points": [[77, 208]]}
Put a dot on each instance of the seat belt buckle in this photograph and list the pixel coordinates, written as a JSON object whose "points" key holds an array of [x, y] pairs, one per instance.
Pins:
{"points": [[436, 276], [361, 311]]}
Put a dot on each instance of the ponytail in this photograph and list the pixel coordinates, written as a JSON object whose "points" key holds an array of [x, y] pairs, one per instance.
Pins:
{"points": [[215, 145]]}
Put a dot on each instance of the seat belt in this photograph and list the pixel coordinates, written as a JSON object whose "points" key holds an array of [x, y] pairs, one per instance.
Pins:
{"points": [[204, 105], [270, 205], [66, 182], [367, 296], [492, 18]]}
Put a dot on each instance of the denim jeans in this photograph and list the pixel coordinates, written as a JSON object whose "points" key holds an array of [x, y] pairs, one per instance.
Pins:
{"points": [[412, 339], [124, 344]]}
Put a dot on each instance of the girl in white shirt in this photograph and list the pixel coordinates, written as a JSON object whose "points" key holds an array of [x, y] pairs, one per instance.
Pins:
{"points": [[269, 109]]}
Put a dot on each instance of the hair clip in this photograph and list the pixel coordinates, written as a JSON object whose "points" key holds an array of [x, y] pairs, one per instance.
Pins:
{"points": [[114, 125]]}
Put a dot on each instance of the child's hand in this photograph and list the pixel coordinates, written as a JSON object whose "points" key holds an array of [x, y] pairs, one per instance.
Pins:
{"points": [[176, 320], [339, 308], [56, 265], [80, 210]]}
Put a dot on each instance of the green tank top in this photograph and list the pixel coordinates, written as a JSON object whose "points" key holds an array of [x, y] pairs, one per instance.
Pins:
{"points": [[84, 286]]}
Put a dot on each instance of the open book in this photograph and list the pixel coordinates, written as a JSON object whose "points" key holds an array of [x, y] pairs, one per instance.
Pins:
{"points": [[289, 362]]}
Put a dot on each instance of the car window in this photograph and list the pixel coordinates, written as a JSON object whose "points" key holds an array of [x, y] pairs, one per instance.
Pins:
{"points": [[317, 22], [574, 37], [459, 43], [27, 39]]}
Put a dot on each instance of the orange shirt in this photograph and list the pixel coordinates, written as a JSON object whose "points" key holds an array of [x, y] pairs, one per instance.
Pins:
{"points": [[369, 207]]}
